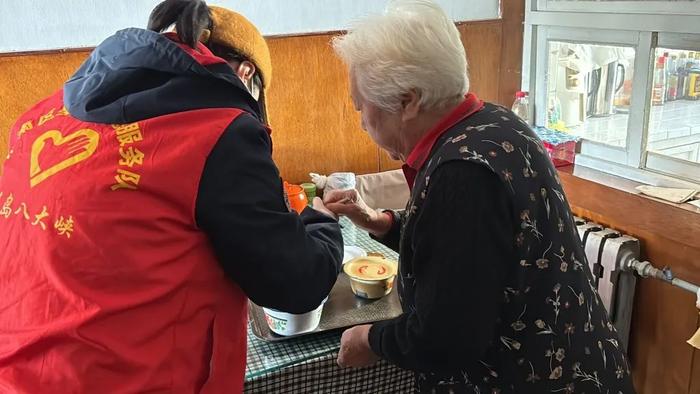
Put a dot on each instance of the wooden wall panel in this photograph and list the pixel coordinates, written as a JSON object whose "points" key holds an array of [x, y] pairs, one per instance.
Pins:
{"points": [[482, 42], [315, 126], [511, 50], [26, 79], [664, 316]]}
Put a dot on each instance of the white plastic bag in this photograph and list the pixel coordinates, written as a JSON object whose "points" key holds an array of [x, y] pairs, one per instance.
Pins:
{"points": [[334, 181], [339, 181]]}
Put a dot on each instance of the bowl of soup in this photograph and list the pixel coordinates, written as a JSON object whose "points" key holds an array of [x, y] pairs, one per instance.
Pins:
{"points": [[371, 277]]}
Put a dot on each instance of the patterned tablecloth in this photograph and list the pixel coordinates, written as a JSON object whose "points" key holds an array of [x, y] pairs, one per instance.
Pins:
{"points": [[308, 364]]}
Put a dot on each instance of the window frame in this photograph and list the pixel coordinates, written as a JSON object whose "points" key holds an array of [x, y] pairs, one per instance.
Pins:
{"points": [[645, 33], [662, 163], [641, 7]]}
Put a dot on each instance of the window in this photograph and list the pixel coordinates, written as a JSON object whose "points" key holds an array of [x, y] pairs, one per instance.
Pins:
{"points": [[674, 124], [624, 75], [589, 90]]}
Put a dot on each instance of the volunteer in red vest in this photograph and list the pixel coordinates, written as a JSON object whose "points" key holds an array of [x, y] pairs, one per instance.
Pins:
{"points": [[139, 210]]}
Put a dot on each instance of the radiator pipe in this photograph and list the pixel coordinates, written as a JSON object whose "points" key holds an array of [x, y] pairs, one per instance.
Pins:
{"points": [[646, 270]]}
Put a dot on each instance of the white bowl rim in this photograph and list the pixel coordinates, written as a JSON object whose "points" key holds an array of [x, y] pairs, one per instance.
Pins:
{"points": [[354, 254]]}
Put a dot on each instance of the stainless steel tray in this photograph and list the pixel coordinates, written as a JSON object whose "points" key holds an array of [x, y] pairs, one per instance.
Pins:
{"points": [[343, 309]]}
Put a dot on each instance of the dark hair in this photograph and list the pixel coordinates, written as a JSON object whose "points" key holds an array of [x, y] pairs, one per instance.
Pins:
{"points": [[191, 18]]}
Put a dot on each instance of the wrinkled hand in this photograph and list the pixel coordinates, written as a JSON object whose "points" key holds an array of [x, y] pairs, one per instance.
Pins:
{"points": [[320, 207], [354, 348], [349, 203]]}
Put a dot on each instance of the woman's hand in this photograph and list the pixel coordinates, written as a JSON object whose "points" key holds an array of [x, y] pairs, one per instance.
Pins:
{"points": [[349, 203]]}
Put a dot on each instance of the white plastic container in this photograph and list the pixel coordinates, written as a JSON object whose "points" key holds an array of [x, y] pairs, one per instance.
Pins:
{"points": [[339, 181], [521, 105], [286, 324], [371, 277]]}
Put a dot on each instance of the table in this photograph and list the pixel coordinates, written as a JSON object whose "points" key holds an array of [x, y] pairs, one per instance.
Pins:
{"points": [[308, 364]]}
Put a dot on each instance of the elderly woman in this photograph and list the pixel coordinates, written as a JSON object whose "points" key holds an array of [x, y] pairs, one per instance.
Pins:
{"points": [[494, 283]]}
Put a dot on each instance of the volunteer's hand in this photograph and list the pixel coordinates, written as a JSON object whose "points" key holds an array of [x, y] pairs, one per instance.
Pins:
{"points": [[349, 203], [354, 348], [319, 206]]}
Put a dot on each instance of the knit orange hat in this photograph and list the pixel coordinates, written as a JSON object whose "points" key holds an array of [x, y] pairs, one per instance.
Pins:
{"points": [[234, 31]]}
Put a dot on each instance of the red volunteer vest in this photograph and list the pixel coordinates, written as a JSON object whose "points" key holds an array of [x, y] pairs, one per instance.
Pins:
{"points": [[106, 283]]}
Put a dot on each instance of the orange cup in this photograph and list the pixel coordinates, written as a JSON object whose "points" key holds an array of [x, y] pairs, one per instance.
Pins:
{"points": [[297, 197]]}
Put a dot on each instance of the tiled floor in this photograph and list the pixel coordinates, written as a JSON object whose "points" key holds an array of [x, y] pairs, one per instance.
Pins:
{"points": [[674, 129]]}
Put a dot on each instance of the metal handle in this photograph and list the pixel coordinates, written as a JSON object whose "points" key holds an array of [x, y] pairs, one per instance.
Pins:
{"points": [[621, 77], [593, 82]]}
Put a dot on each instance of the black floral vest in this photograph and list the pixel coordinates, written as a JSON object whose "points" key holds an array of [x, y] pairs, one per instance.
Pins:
{"points": [[554, 334]]}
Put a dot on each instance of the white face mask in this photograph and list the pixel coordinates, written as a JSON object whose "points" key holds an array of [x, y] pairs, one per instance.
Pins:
{"points": [[254, 88], [252, 85]]}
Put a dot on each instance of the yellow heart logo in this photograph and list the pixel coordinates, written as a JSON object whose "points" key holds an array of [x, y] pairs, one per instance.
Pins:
{"points": [[81, 145]]}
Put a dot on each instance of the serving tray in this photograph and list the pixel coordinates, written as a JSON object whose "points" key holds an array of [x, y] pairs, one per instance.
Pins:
{"points": [[343, 309]]}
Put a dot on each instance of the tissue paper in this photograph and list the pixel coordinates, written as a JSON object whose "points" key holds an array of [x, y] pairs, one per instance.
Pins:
{"points": [[677, 196], [695, 340]]}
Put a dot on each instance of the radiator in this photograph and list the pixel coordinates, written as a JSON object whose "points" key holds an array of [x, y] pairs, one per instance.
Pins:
{"points": [[608, 253], [614, 261]]}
